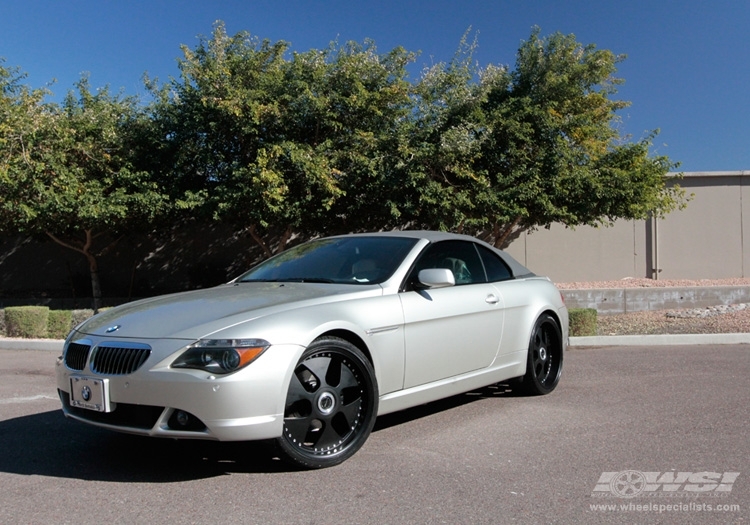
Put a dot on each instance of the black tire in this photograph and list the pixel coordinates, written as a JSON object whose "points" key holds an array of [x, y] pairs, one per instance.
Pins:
{"points": [[545, 358], [331, 405]]}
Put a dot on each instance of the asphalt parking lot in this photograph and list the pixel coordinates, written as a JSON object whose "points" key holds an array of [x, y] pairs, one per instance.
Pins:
{"points": [[631, 435]]}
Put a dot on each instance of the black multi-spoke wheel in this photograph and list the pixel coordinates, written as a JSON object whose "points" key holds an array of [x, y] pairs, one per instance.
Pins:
{"points": [[330, 406], [545, 358]]}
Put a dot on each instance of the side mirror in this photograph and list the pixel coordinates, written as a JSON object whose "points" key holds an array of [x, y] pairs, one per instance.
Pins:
{"points": [[436, 278]]}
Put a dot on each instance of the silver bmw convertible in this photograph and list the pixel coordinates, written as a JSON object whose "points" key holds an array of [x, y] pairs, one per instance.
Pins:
{"points": [[310, 346]]}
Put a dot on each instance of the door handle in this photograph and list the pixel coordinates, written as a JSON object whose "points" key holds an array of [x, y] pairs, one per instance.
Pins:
{"points": [[492, 299]]}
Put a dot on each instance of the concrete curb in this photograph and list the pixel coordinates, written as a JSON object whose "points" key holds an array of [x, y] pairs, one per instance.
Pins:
{"points": [[50, 345], [661, 340]]}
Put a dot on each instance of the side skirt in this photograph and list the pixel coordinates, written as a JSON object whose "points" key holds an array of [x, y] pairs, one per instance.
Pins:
{"points": [[419, 395]]}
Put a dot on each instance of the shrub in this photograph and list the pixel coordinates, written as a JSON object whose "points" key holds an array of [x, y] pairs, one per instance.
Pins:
{"points": [[26, 321], [59, 323], [80, 316], [583, 321], [2, 323]]}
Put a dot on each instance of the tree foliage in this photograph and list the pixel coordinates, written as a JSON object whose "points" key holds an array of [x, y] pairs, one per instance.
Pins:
{"points": [[278, 143], [23, 119], [71, 178], [537, 145]]}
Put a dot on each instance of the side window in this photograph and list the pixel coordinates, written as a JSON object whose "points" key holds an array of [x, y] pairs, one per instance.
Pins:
{"points": [[496, 268], [459, 257]]}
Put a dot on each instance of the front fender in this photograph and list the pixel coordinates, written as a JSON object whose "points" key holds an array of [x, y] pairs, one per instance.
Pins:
{"points": [[378, 321]]}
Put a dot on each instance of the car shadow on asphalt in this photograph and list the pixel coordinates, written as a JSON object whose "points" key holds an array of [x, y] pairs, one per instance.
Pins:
{"points": [[48, 444]]}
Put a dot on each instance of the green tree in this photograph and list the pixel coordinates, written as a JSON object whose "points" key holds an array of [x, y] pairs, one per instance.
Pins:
{"points": [[327, 141], [361, 102], [508, 151], [23, 116], [223, 144], [277, 145], [75, 182], [448, 189]]}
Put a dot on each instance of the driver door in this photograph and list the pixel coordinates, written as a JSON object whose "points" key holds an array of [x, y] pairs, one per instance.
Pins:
{"points": [[453, 330]]}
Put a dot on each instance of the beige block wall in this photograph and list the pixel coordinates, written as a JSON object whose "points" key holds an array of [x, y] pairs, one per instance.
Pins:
{"points": [[703, 241], [586, 253]]}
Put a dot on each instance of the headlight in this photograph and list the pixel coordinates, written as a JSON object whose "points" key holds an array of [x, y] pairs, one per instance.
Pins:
{"points": [[221, 356]]}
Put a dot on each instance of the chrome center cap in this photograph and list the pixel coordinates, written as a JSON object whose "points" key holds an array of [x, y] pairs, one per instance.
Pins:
{"points": [[326, 403], [543, 354]]}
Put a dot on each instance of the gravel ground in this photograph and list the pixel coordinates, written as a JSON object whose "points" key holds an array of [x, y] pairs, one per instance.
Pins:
{"points": [[632, 282], [718, 319]]}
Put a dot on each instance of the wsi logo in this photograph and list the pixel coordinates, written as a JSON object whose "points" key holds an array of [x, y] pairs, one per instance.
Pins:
{"points": [[634, 483]]}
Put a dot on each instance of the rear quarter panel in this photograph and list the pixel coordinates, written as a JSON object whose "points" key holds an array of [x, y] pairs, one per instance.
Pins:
{"points": [[525, 300]]}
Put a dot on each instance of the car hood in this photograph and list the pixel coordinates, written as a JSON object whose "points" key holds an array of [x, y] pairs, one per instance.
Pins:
{"points": [[197, 314]]}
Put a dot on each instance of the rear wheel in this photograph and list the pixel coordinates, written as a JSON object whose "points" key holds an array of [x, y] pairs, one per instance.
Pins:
{"points": [[331, 405], [545, 358]]}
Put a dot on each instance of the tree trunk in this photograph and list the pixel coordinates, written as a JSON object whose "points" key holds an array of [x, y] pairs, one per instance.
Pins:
{"points": [[85, 249], [96, 288], [283, 240], [502, 237], [258, 239]]}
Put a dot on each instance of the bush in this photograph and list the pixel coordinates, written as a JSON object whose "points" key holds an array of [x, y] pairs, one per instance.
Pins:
{"points": [[80, 316], [59, 324], [26, 321], [583, 322]]}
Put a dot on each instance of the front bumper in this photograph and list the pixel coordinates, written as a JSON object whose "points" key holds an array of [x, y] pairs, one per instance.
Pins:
{"points": [[156, 400]]}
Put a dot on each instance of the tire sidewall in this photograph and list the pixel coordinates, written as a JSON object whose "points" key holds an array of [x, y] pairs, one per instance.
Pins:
{"points": [[530, 380], [301, 457]]}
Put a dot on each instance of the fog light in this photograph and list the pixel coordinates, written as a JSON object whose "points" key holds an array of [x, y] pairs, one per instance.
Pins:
{"points": [[183, 418], [185, 421]]}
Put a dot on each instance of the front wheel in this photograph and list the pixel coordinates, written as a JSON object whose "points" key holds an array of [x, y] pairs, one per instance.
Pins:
{"points": [[331, 405], [545, 358]]}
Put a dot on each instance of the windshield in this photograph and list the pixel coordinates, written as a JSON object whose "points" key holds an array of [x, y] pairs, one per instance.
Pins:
{"points": [[350, 260]]}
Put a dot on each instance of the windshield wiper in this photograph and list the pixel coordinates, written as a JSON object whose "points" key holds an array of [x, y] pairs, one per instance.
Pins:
{"points": [[290, 280], [307, 280]]}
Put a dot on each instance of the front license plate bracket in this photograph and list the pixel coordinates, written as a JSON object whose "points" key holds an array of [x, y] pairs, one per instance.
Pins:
{"points": [[90, 393]]}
